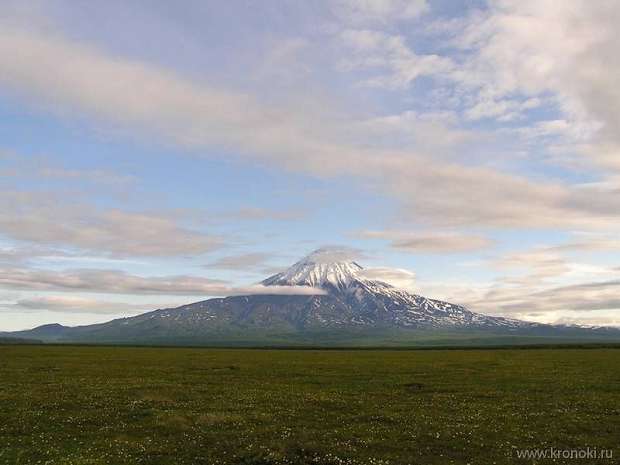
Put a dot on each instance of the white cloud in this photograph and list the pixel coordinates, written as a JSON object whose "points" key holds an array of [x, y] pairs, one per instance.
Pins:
{"points": [[429, 242], [76, 304], [594, 303], [247, 261], [517, 300], [385, 52], [398, 277], [425, 132], [503, 109], [372, 11], [544, 284], [569, 317], [589, 243], [538, 264], [135, 95], [46, 219], [511, 57], [535, 48], [119, 282], [257, 213]]}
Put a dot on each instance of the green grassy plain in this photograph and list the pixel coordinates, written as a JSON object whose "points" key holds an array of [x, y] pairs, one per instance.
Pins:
{"points": [[124, 405]]}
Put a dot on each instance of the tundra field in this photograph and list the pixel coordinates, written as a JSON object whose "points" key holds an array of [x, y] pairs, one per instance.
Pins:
{"points": [[124, 405]]}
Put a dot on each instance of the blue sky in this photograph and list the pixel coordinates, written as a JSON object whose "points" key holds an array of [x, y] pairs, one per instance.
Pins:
{"points": [[154, 154]]}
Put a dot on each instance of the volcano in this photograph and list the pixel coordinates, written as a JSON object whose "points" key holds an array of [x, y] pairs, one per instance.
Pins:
{"points": [[339, 306]]}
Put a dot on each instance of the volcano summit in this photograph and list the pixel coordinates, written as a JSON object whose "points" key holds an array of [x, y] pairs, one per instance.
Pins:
{"points": [[343, 307]]}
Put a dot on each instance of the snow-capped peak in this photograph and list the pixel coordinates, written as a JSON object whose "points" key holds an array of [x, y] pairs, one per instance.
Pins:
{"points": [[323, 267]]}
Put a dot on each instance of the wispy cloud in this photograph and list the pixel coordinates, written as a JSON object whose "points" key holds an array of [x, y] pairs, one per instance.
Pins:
{"points": [[519, 301], [385, 52], [378, 11], [522, 50], [397, 277], [257, 213], [119, 282], [61, 74], [76, 304], [46, 219], [247, 261], [429, 242]]}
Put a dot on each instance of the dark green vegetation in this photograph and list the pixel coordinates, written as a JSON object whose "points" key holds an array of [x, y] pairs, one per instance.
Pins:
{"points": [[15, 340], [114, 405]]}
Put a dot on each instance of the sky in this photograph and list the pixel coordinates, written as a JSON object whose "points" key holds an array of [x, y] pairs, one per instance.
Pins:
{"points": [[158, 153]]}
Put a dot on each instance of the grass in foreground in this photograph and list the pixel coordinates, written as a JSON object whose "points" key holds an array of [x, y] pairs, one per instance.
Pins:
{"points": [[113, 405]]}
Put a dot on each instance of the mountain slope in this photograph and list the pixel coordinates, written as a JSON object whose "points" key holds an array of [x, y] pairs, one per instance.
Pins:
{"points": [[346, 308]]}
